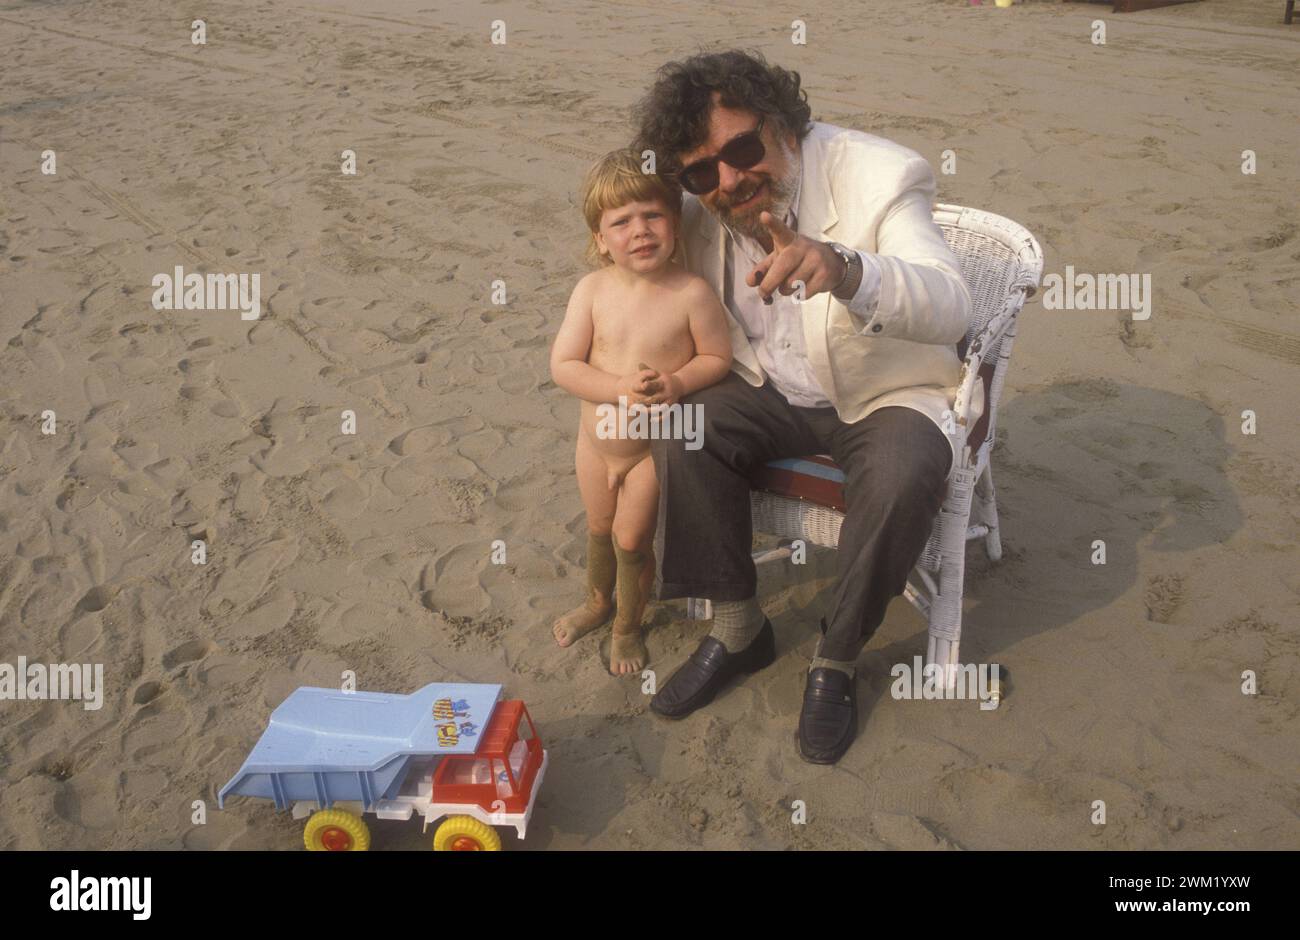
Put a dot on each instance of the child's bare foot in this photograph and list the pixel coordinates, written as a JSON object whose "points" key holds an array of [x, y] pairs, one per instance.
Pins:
{"points": [[627, 653], [582, 620]]}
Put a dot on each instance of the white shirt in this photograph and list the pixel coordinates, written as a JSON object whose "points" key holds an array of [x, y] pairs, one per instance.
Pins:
{"points": [[776, 331]]}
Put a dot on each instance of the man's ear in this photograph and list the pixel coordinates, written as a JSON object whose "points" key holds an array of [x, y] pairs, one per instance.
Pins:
{"points": [[784, 136]]}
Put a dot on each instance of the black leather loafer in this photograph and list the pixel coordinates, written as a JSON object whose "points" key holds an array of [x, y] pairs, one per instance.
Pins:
{"points": [[828, 721], [710, 668]]}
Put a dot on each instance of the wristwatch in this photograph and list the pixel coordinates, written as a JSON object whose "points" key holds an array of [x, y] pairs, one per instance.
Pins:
{"points": [[848, 286]]}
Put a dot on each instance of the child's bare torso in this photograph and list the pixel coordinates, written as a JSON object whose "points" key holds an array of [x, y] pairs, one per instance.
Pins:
{"points": [[649, 323]]}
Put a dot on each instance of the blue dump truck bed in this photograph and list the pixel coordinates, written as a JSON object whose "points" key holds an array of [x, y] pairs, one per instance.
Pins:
{"points": [[324, 745]]}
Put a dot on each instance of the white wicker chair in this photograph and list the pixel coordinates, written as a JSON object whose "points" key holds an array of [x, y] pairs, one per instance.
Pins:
{"points": [[1002, 264]]}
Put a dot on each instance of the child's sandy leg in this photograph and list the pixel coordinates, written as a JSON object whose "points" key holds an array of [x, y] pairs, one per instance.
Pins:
{"points": [[627, 651], [634, 526], [595, 611], [600, 502]]}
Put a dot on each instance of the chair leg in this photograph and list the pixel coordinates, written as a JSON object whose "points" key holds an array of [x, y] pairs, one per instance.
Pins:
{"points": [[945, 606], [699, 608], [946, 654], [987, 499]]}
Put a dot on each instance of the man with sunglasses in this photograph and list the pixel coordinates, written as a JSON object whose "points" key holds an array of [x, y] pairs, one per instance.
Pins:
{"points": [[845, 305]]}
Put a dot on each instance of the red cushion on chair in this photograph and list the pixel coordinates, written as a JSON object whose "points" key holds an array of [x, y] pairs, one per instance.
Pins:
{"points": [[817, 479]]}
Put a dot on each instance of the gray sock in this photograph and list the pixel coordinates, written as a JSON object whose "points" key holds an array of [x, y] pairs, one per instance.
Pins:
{"points": [[848, 667], [736, 623]]}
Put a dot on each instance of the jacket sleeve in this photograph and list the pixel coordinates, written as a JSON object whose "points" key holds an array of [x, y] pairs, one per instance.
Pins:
{"points": [[921, 295]]}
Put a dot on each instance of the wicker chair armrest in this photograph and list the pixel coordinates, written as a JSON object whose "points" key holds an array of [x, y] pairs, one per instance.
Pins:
{"points": [[985, 340]]}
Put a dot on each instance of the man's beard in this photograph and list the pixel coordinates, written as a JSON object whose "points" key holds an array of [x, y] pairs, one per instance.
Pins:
{"points": [[780, 196]]}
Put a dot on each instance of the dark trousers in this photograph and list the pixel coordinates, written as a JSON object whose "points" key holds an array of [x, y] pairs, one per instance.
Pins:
{"points": [[895, 463]]}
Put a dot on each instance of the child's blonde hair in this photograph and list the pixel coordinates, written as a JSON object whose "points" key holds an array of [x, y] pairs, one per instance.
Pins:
{"points": [[614, 181]]}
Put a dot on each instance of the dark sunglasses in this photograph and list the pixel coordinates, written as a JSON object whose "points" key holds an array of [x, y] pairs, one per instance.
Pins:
{"points": [[740, 152]]}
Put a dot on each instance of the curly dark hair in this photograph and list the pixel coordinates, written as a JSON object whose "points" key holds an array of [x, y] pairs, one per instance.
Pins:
{"points": [[673, 117]]}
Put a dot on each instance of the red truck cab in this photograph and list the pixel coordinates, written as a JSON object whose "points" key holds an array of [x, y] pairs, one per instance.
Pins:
{"points": [[499, 775]]}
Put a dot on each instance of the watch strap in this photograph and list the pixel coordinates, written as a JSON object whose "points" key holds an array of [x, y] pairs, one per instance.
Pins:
{"points": [[851, 261]]}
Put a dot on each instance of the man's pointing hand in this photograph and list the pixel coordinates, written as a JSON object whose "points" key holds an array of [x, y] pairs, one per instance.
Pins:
{"points": [[794, 258]]}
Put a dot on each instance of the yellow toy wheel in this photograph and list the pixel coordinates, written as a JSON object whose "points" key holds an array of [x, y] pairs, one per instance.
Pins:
{"points": [[466, 834], [336, 830]]}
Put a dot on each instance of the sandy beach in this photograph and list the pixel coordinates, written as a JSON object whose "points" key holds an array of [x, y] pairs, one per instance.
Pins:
{"points": [[371, 551]]}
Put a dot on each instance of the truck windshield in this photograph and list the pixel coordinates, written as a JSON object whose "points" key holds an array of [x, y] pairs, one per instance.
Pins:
{"points": [[469, 770], [517, 755], [504, 787]]}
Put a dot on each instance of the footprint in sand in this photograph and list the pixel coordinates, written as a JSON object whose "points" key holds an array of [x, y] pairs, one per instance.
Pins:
{"points": [[418, 441], [358, 622], [188, 652], [146, 692], [1163, 596], [80, 634], [347, 500], [268, 617], [245, 581], [152, 733], [284, 456], [524, 341], [481, 445], [221, 670], [451, 585], [97, 598], [782, 690], [910, 833], [194, 508], [518, 382], [87, 803], [530, 440], [526, 491], [148, 786], [227, 408]]}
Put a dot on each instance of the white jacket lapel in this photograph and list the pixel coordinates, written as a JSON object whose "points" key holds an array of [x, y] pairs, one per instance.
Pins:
{"points": [[706, 247], [817, 217]]}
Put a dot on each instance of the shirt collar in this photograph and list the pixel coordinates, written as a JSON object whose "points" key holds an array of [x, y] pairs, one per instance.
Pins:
{"points": [[792, 217]]}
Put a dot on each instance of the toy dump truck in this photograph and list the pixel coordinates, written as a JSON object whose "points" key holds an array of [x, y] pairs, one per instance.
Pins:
{"points": [[449, 750]]}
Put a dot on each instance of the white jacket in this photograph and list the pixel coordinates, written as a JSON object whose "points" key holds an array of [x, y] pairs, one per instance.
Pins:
{"points": [[876, 196]]}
